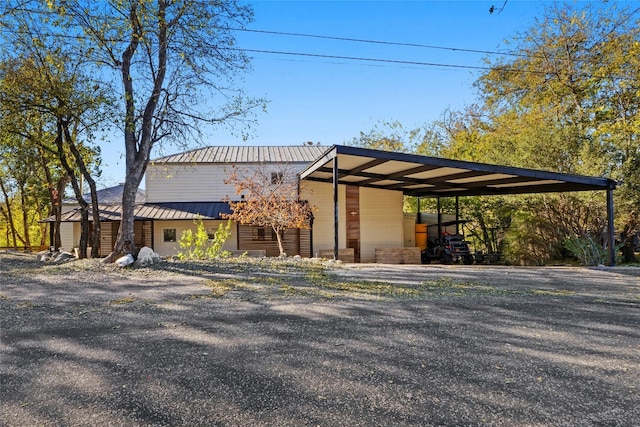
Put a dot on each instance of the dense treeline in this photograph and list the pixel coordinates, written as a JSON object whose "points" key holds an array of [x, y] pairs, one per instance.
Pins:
{"points": [[568, 100]]}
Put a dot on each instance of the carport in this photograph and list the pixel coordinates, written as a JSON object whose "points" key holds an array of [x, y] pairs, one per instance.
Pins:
{"points": [[423, 176]]}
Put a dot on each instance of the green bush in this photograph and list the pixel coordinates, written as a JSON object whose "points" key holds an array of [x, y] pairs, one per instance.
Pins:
{"points": [[198, 245], [586, 249]]}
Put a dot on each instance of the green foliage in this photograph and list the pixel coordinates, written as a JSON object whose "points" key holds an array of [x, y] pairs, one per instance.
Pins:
{"points": [[586, 249], [198, 245], [567, 103]]}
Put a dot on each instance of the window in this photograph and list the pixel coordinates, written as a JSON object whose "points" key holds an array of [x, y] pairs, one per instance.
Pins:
{"points": [[277, 177], [211, 233], [263, 234], [169, 235]]}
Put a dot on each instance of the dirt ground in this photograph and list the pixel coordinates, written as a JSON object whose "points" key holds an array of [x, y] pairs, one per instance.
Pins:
{"points": [[295, 344]]}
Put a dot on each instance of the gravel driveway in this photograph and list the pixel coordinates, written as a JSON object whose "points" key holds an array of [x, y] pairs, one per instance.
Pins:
{"points": [[197, 344]]}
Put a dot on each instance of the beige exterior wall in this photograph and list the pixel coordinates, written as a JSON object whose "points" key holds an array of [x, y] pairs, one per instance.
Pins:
{"points": [[381, 218], [320, 195], [198, 183], [381, 221], [67, 236], [186, 183], [163, 248]]}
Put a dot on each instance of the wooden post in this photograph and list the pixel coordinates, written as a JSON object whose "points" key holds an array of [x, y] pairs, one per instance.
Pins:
{"points": [[457, 215], [611, 231], [439, 238], [335, 207]]}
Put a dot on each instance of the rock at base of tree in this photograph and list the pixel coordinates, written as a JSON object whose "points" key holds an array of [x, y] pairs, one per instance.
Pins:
{"points": [[56, 256], [125, 260], [44, 256], [147, 256], [63, 257]]}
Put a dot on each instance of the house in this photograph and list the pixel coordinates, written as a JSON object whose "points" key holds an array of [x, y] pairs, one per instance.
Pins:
{"points": [[196, 178], [184, 187], [358, 193]]}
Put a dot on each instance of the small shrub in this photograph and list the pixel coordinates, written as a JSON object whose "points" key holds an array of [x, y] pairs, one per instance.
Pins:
{"points": [[198, 245], [586, 249]]}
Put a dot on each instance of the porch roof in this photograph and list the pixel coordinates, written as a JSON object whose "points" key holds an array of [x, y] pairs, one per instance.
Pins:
{"points": [[155, 211], [425, 176]]}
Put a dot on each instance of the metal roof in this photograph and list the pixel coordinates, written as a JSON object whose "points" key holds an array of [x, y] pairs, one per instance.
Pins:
{"points": [[248, 154], [108, 196], [416, 175], [155, 211]]}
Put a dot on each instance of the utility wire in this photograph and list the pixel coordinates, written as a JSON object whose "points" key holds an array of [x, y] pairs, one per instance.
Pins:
{"points": [[388, 61], [349, 39], [314, 55]]}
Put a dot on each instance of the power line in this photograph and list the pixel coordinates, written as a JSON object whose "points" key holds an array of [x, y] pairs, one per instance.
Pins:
{"points": [[313, 55], [354, 58], [425, 46]]}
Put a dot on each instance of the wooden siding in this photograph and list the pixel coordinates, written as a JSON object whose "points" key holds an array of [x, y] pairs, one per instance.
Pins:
{"points": [[296, 241], [106, 237], [353, 220]]}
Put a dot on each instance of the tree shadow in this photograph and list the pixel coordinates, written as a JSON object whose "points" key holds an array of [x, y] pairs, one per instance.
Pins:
{"points": [[474, 359]]}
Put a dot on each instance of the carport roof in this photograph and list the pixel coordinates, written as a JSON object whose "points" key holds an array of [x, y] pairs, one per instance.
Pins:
{"points": [[416, 175]]}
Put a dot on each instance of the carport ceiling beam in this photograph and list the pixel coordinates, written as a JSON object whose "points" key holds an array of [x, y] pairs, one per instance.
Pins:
{"points": [[365, 166]]}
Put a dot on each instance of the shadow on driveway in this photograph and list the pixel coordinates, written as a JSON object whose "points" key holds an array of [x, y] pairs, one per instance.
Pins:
{"points": [[566, 355]]}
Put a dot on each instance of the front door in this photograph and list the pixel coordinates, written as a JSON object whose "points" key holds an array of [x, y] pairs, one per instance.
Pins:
{"points": [[353, 220]]}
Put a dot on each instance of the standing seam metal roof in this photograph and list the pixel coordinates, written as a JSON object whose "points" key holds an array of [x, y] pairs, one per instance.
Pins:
{"points": [[248, 154], [155, 211]]}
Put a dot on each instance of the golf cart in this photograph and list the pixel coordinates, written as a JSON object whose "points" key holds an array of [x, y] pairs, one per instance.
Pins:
{"points": [[450, 248]]}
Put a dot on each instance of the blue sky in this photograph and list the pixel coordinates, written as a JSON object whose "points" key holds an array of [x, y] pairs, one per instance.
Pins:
{"points": [[330, 100]]}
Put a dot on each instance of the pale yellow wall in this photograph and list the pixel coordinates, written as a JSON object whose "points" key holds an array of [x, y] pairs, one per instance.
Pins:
{"points": [[381, 218], [381, 221], [172, 248], [69, 231], [320, 195], [187, 183], [199, 183], [68, 236]]}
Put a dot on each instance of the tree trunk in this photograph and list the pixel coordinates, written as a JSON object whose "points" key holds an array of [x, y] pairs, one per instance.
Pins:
{"points": [[56, 202], [138, 144], [279, 236], [84, 206], [628, 250], [25, 217], [125, 242], [9, 215], [95, 243]]}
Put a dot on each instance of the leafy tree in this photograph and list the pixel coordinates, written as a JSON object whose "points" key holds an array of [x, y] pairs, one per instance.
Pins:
{"points": [[173, 62], [271, 199], [47, 108], [567, 102]]}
